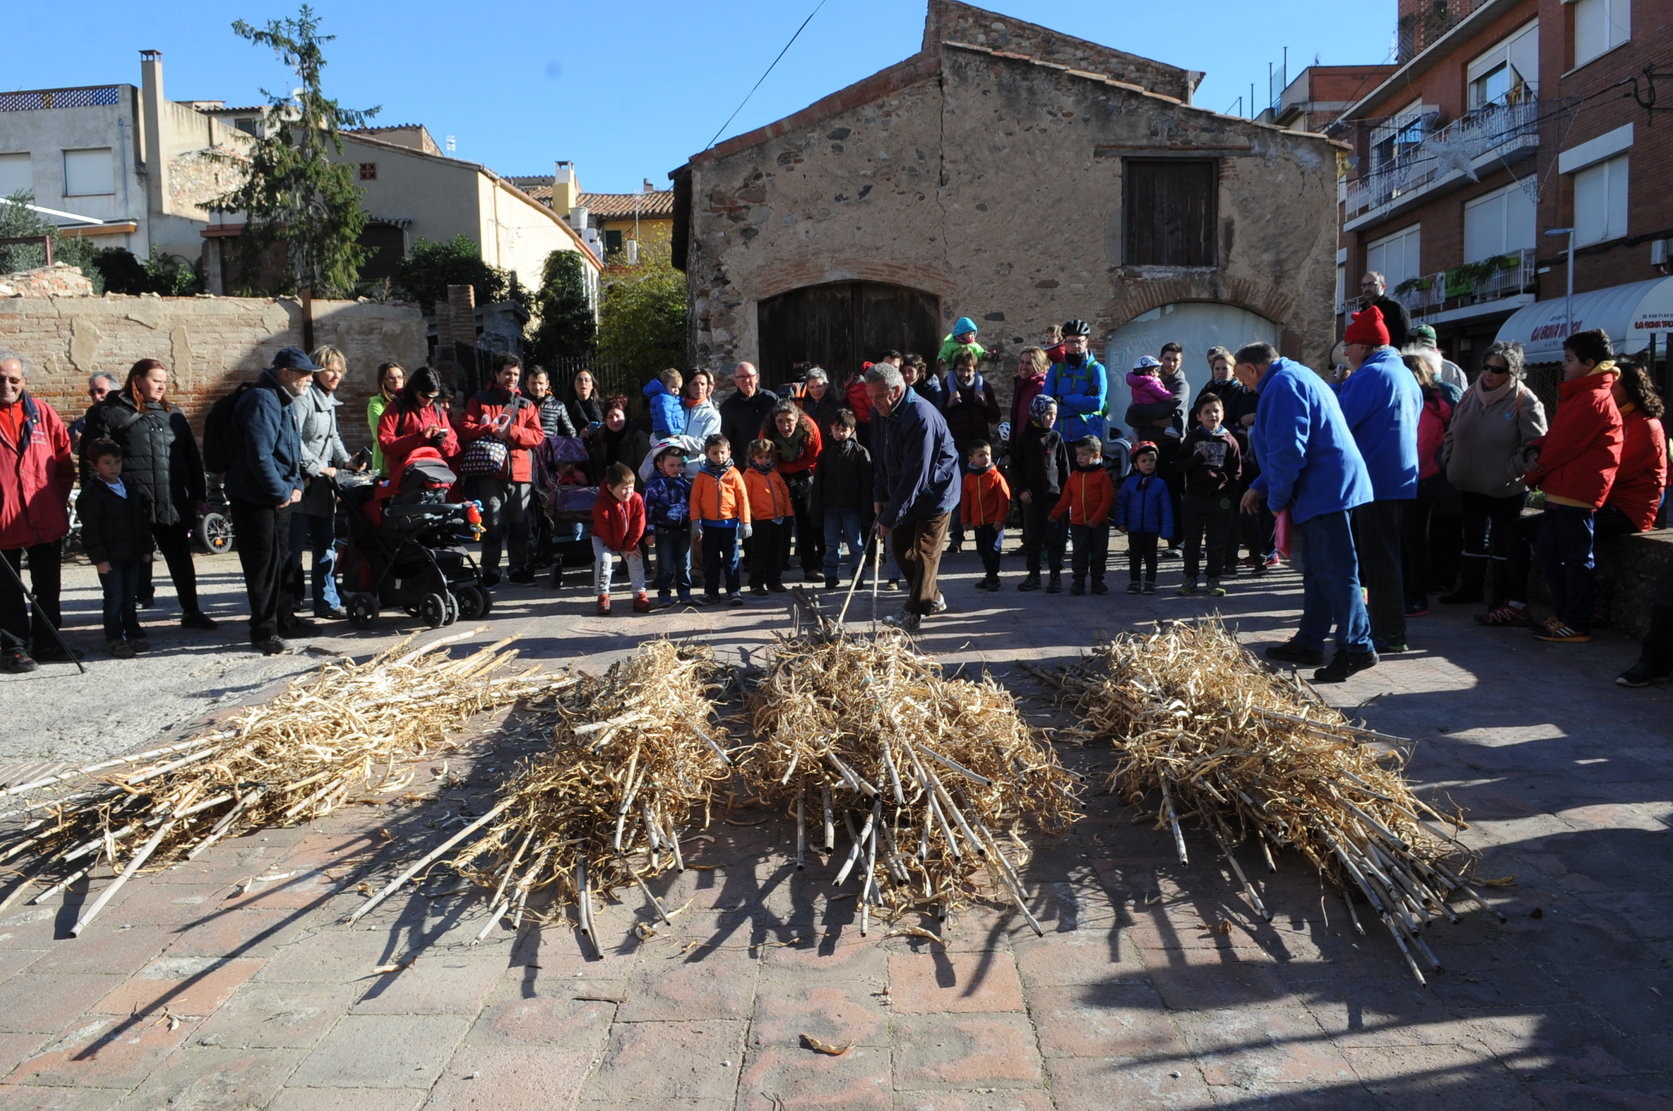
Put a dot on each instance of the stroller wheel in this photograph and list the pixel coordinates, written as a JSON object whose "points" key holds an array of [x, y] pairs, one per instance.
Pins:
{"points": [[363, 610], [452, 608], [473, 601], [214, 533], [433, 609]]}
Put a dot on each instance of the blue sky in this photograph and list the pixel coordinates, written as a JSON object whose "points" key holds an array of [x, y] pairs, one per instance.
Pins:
{"points": [[630, 91]]}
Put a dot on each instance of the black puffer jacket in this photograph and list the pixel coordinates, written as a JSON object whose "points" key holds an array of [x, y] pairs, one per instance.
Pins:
{"points": [[115, 529], [1039, 461], [159, 454]]}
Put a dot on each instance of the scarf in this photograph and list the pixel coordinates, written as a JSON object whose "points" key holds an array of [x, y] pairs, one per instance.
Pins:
{"points": [[761, 468], [790, 447], [717, 470]]}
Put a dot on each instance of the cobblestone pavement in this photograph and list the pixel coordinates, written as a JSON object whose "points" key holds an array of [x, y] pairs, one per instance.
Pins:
{"points": [[228, 982]]}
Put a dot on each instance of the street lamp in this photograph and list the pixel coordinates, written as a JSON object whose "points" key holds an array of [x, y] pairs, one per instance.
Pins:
{"points": [[1568, 300]]}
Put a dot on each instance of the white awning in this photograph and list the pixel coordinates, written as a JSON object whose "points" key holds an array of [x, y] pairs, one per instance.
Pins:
{"points": [[1630, 313]]}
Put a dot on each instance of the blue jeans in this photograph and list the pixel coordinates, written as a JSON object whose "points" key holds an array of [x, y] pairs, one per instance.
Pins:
{"points": [[317, 536], [720, 553], [1565, 557], [1330, 585], [121, 588], [673, 560], [842, 526]]}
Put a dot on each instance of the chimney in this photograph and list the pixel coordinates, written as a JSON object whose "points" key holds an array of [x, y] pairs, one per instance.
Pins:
{"points": [[152, 155], [566, 188], [649, 188]]}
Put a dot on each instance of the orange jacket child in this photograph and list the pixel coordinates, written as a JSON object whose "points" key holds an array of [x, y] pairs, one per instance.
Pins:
{"points": [[769, 496], [1088, 496], [986, 499], [719, 497]]}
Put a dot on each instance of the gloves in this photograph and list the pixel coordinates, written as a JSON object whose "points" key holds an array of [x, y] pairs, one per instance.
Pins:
{"points": [[745, 531]]}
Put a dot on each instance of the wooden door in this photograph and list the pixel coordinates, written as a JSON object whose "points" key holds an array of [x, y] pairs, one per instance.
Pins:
{"points": [[843, 324]]}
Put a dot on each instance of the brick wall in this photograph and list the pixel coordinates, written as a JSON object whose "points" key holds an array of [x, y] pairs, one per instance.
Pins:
{"points": [[209, 343]]}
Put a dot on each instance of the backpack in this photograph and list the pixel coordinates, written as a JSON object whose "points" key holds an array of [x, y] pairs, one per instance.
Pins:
{"points": [[220, 438]]}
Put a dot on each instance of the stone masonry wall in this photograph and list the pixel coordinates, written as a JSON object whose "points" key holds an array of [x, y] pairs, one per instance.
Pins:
{"points": [[209, 343]]}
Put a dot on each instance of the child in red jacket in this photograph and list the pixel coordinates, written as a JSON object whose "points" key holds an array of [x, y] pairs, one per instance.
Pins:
{"points": [[1087, 499], [984, 506], [1578, 458], [618, 527]]}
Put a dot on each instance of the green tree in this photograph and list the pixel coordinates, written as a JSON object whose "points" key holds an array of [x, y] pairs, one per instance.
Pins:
{"points": [[641, 316], [566, 325], [294, 195], [432, 267], [17, 221]]}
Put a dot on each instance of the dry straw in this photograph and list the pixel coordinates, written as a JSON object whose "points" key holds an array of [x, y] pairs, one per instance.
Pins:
{"points": [[1202, 730], [347, 732], [928, 779]]}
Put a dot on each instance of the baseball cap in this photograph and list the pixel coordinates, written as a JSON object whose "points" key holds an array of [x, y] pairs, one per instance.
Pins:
{"points": [[294, 358]]}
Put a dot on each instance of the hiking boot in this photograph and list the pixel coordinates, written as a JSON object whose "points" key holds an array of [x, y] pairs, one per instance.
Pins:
{"points": [[1134, 588], [1344, 664], [1290, 652], [1054, 585], [16, 660], [1215, 590], [1100, 587], [1031, 581], [904, 621], [271, 646], [1186, 588]]}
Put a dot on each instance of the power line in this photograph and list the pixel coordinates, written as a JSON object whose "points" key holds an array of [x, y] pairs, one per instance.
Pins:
{"points": [[757, 84]]}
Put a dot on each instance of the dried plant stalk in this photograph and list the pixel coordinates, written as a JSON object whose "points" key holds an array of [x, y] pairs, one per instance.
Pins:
{"points": [[1198, 722], [634, 756], [916, 765], [348, 731]]}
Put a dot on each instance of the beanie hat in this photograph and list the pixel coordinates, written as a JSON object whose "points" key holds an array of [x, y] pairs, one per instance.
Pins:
{"points": [[962, 325], [1037, 408], [1367, 328]]}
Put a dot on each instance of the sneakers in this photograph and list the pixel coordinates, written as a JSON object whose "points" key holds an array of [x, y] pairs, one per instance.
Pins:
{"points": [[904, 621], [664, 599], [1054, 584], [523, 576], [1272, 562], [1390, 647], [16, 661], [1099, 587], [1505, 617], [1417, 609], [1344, 664], [940, 603], [603, 605], [777, 587], [758, 590], [893, 584], [1555, 632], [687, 600], [1186, 588], [1030, 582], [1643, 673], [1134, 588], [734, 599], [331, 613], [53, 654], [272, 646], [641, 603], [1215, 590], [1290, 652], [197, 619]]}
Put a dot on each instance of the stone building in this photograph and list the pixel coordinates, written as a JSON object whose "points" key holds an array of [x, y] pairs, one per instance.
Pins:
{"points": [[1020, 177]]}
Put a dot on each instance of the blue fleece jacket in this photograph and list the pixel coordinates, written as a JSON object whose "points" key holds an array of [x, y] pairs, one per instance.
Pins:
{"points": [[914, 471], [667, 411], [1082, 393], [1143, 505], [268, 466], [1382, 403], [1309, 462]]}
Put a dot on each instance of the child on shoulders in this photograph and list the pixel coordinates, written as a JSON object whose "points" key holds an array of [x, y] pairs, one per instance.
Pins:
{"points": [[667, 408]]}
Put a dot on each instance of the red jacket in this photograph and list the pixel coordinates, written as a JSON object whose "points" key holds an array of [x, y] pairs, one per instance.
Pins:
{"points": [[1088, 496], [401, 432], [858, 399], [1580, 453], [986, 499], [1643, 473], [36, 474], [485, 408], [619, 524], [812, 444]]}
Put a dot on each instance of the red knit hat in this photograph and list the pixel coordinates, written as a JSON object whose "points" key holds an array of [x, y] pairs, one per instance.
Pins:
{"points": [[1367, 328]]}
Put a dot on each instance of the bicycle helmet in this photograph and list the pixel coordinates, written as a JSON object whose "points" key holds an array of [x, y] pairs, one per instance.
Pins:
{"points": [[1077, 327]]}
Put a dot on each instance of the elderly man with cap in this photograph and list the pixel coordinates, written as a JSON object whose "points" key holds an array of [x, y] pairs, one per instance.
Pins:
{"points": [[1311, 469], [36, 473], [1422, 335], [1382, 403], [915, 477], [263, 486]]}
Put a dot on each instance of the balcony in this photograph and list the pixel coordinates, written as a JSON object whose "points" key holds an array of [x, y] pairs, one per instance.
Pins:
{"points": [[1476, 283], [1445, 157]]}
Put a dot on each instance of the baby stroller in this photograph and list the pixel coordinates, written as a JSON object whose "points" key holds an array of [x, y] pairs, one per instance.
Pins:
{"points": [[564, 494], [404, 548]]}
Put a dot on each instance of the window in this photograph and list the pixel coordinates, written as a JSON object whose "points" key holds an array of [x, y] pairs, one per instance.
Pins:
{"points": [[1171, 214], [368, 171], [1600, 202], [15, 175], [1508, 73], [248, 124], [1395, 256], [89, 173], [1600, 26], [612, 241], [1498, 223]]}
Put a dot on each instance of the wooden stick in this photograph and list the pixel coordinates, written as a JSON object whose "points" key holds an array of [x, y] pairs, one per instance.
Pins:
{"points": [[426, 859]]}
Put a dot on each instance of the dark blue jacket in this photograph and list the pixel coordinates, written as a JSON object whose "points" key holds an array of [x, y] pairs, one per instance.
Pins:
{"points": [[268, 466], [668, 501], [1143, 505], [1082, 394], [914, 463], [1310, 464], [1382, 403]]}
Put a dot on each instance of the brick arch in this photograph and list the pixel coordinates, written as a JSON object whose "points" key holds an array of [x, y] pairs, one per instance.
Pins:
{"points": [[1138, 296], [784, 277]]}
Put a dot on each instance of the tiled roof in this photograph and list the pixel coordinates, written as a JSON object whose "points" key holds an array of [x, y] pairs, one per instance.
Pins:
{"points": [[658, 203], [540, 188]]}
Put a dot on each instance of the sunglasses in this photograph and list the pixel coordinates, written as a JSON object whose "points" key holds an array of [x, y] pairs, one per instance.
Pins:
{"points": [[1487, 368]]}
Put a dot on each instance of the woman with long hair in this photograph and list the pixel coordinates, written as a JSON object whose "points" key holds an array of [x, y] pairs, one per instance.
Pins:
{"points": [[392, 378]]}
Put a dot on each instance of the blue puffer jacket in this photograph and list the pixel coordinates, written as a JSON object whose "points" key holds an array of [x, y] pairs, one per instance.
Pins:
{"points": [[1382, 403], [1082, 395], [668, 501], [268, 466], [1143, 505], [914, 470], [1310, 464]]}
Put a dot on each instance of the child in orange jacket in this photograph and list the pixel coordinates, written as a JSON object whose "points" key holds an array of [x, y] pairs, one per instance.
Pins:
{"points": [[720, 512], [1087, 499], [772, 514], [984, 506], [618, 529]]}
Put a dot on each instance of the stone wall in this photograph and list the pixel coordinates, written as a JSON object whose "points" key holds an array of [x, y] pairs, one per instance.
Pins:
{"points": [[209, 343]]}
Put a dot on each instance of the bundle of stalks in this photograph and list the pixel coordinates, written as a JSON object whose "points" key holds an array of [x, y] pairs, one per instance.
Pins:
{"points": [[347, 732], [633, 757], [926, 776], [1198, 722]]}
